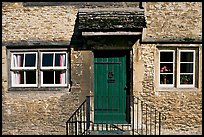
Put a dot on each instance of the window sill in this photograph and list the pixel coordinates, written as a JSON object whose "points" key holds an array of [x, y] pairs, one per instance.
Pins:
{"points": [[39, 89], [177, 89]]}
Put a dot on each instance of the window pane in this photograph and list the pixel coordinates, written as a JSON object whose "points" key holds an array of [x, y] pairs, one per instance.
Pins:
{"points": [[60, 59], [60, 77], [166, 56], [48, 77], [166, 67], [18, 77], [18, 60], [166, 78], [30, 77], [186, 57], [186, 68], [47, 60], [30, 60], [186, 79]]}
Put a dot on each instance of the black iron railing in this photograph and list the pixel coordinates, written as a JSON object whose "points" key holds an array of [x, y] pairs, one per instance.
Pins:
{"points": [[147, 120], [142, 119], [76, 124]]}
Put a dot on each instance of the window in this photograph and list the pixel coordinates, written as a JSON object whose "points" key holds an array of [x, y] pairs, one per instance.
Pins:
{"points": [[23, 69], [53, 69], [167, 68], [186, 68], [39, 69], [177, 68]]}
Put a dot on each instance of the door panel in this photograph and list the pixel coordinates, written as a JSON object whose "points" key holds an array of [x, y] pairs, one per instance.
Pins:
{"points": [[109, 88]]}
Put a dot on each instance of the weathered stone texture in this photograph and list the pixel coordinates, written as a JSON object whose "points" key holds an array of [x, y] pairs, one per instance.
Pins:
{"points": [[38, 113], [37, 23], [173, 20], [111, 19], [183, 109]]}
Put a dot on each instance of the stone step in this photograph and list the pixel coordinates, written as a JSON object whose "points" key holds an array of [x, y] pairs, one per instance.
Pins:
{"points": [[109, 132]]}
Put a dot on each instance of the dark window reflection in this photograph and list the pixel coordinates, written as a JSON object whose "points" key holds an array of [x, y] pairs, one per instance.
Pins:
{"points": [[186, 68], [57, 77], [47, 60], [30, 60], [30, 77], [166, 56], [48, 77], [186, 57], [21, 78]]}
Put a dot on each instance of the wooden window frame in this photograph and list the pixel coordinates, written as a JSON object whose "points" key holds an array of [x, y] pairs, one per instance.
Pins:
{"points": [[179, 57], [38, 86], [176, 71], [167, 85], [53, 68], [24, 69]]}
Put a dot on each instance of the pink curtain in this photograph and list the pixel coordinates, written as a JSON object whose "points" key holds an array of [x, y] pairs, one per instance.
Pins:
{"points": [[62, 75]]}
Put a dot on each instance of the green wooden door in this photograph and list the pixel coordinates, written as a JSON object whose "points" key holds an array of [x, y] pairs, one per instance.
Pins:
{"points": [[109, 87]]}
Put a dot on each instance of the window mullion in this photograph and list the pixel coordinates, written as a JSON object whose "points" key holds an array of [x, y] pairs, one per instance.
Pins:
{"points": [[24, 77], [194, 56], [53, 64]]}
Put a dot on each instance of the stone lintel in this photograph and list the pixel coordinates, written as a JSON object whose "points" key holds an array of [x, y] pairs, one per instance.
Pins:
{"points": [[190, 40], [40, 44]]}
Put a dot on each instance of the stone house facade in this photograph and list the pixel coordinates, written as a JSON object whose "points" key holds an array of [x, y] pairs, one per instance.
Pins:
{"points": [[49, 50]]}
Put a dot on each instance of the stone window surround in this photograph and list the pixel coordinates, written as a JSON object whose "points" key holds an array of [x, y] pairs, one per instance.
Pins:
{"points": [[38, 50], [176, 48]]}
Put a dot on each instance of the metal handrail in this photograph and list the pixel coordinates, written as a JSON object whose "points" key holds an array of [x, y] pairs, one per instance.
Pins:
{"points": [[145, 119]]}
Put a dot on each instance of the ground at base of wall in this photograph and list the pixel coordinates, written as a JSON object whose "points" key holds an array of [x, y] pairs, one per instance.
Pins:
{"points": [[171, 132]]}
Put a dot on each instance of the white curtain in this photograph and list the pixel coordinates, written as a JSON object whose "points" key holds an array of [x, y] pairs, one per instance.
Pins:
{"points": [[17, 63], [62, 63]]}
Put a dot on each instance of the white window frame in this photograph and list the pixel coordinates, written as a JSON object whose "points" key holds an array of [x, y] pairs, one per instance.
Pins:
{"points": [[167, 85], [176, 69], [53, 68], [24, 69], [179, 63]]}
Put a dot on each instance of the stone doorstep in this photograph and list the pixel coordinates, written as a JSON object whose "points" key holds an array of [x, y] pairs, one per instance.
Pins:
{"points": [[114, 131], [110, 132]]}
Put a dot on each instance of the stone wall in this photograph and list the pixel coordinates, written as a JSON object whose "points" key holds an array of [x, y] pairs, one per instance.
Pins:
{"points": [[38, 112], [169, 22], [37, 23], [182, 108], [173, 20], [46, 112]]}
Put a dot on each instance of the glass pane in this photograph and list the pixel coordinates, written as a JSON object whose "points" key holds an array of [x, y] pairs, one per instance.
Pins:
{"points": [[60, 59], [166, 56], [21, 77], [47, 60], [166, 78], [166, 67], [186, 68], [18, 60], [186, 79], [48, 77], [18, 77], [186, 57], [30, 77], [30, 60], [60, 77]]}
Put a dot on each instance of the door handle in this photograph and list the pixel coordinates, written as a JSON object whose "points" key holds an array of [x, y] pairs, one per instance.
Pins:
{"points": [[126, 87]]}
